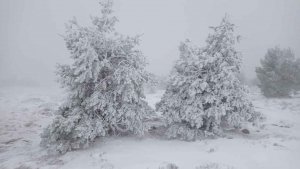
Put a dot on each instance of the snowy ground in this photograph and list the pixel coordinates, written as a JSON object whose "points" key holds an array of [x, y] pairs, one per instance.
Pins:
{"points": [[25, 111]]}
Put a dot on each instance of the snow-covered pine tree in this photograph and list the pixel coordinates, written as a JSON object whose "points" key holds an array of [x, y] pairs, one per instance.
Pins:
{"points": [[204, 94], [105, 85], [279, 73]]}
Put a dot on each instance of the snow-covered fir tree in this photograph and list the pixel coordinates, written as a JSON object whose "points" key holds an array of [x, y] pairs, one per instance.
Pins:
{"points": [[105, 85], [204, 94]]}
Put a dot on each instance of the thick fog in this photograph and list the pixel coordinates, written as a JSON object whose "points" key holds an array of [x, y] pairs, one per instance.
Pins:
{"points": [[31, 45]]}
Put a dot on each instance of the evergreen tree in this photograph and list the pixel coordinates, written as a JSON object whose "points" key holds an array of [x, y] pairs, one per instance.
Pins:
{"points": [[105, 85], [279, 73], [204, 94]]}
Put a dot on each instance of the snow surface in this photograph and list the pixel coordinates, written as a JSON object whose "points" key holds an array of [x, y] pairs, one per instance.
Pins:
{"points": [[26, 111]]}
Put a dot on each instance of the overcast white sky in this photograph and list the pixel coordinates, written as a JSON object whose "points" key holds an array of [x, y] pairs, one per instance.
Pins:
{"points": [[30, 44]]}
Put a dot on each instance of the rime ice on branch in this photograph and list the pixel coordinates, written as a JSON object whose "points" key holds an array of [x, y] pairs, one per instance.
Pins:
{"points": [[204, 94], [105, 85]]}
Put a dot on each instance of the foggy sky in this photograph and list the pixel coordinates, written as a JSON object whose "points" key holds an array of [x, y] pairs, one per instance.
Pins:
{"points": [[30, 45]]}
